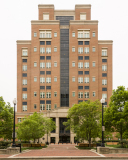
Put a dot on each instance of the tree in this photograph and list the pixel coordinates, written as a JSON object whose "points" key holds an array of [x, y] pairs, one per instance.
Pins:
{"points": [[116, 115], [6, 119], [83, 120]]}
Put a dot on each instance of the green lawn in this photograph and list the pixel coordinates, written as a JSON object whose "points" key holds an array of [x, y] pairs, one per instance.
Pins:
{"points": [[85, 147], [25, 148]]}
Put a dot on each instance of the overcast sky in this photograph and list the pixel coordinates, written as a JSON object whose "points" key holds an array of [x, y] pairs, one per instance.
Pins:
{"points": [[15, 17]]}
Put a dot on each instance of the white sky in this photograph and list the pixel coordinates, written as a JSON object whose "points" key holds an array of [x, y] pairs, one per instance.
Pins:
{"points": [[15, 17]]}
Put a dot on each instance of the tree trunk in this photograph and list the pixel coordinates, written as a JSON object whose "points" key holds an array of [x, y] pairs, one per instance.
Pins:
{"points": [[89, 141], [34, 140]]}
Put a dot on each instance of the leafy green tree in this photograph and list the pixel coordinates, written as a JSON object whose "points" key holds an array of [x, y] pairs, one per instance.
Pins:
{"points": [[116, 115], [83, 120], [6, 119]]}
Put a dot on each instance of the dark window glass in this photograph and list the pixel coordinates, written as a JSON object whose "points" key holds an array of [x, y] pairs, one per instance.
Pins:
{"points": [[80, 72], [86, 42], [80, 87], [48, 42], [48, 102], [104, 89], [42, 102], [104, 74], [24, 74], [48, 57], [42, 72], [48, 72], [80, 42], [42, 57], [104, 60], [48, 87], [86, 57], [80, 101], [24, 103], [80, 57], [24, 60], [42, 42], [105, 103], [86, 87], [42, 87], [86, 72], [24, 89], [53, 131]]}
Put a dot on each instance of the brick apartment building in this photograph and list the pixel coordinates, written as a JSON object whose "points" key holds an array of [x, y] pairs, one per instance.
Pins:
{"points": [[63, 64]]}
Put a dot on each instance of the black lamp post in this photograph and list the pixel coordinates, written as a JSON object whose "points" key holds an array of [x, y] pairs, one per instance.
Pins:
{"points": [[14, 145], [103, 128]]}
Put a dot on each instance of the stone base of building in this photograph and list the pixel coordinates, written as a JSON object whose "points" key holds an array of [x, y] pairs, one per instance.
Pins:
{"points": [[10, 150], [106, 150]]}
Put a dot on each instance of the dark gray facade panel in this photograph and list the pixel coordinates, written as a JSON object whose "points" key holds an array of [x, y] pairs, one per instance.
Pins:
{"points": [[64, 20]]}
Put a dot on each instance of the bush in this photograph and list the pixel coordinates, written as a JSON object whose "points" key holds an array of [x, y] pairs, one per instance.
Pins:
{"points": [[4, 145], [123, 144], [108, 141]]}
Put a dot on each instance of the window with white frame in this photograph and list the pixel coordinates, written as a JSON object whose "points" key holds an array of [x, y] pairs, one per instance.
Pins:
{"points": [[86, 94], [55, 105], [48, 106], [55, 94], [83, 16], [42, 94], [35, 64], [73, 34], [73, 49], [42, 50], [48, 95], [24, 95], [24, 52], [24, 81], [86, 50], [73, 94], [73, 64], [93, 64], [104, 81], [73, 79], [80, 79], [104, 52], [80, 95], [42, 80], [42, 65], [86, 80], [55, 49], [48, 50], [45, 16], [35, 79], [93, 79], [80, 50], [48, 65], [35, 106], [93, 94], [48, 34], [42, 107], [48, 80], [35, 49], [55, 34], [80, 64], [86, 65], [24, 67], [93, 34], [35, 34], [35, 94], [83, 34], [19, 119], [104, 67], [55, 64], [55, 79], [45, 34], [104, 96], [93, 49], [24, 108]]}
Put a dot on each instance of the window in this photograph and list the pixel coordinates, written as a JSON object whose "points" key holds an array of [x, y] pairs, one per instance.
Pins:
{"points": [[42, 65], [42, 57], [73, 79], [93, 79], [42, 94], [45, 16], [104, 67], [55, 94], [73, 94], [55, 64], [48, 107], [42, 72], [80, 87], [55, 105], [42, 80], [93, 49], [93, 94], [48, 87], [48, 80], [24, 74], [24, 107], [48, 57], [42, 102], [42, 87], [48, 50], [104, 52], [24, 60], [48, 42], [42, 42], [73, 64], [80, 79], [86, 42], [80, 42], [80, 57], [86, 57], [73, 49], [19, 119], [104, 81], [35, 64], [104, 89], [42, 107], [80, 72], [93, 64], [24, 52], [80, 50], [104, 96], [80, 64], [35, 79], [35, 106], [35, 34], [86, 87], [55, 49], [24, 67], [80, 95], [86, 65], [104, 74], [24, 89], [42, 50], [86, 80], [48, 65], [24, 95], [86, 72], [83, 34], [104, 60], [35, 94], [55, 34], [48, 72], [55, 79], [45, 34], [86, 94], [35, 49], [83, 16], [48, 95], [73, 34], [24, 81], [93, 34], [86, 50]]}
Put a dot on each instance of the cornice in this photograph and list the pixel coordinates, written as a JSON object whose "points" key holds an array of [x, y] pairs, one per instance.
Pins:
{"points": [[83, 6], [80, 22], [44, 22], [46, 6], [105, 42], [23, 41]]}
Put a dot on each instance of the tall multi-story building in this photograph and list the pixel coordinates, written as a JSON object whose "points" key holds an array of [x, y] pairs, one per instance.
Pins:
{"points": [[63, 64]]}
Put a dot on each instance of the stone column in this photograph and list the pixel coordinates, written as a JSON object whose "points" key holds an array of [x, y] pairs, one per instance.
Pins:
{"points": [[57, 129]]}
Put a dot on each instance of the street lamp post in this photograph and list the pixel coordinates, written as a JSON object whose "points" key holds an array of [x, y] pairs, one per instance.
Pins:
{"points": [[103, 128], [14, 145]]}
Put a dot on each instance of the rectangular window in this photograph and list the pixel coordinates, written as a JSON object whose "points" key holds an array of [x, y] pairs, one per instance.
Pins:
{"points": [[48, 50], [73, 64], [42, 102], [42, 80], [42, 57], [55, 94], [104, 89], [80, 87], [86, 80], [93, 64], [42, 42], [80, 72], [83, 34], [48, 65], [55, 105], [73, 94], [45, 16], [35, 94], [73, 79], [48, 87], [48, 57], [35, 49], [55, 34], [48, 72], [24, 74], [35, 106], [42, 65], [35, 34], [42, 94], [80, 57], [80, 79], [24, 81], [80, 42], [93, 79], [24, 95], [73, 34], [35, 79], [55, 49], [48, 42], [86, 87], [86, 65], [55, 79], [104, 81], [48, 107], [80, 64], [24, 52], [86, 94], [24, 107], [19, 119], [24, 89], [104, 96], [48, 80], [24, 67], [42, 87], [80, 50], [86, 50], [86, 57], [104, 52], [104, 60], [93, 94], [42, 107], [93, 34], [104, 74], [104, 67], [48, 95], [73, 49], [24, 60], [35, 64], [42, 50], [80, 94], [55, 64], [86, 72], [93, 49], [42, 72], [86, 42]]}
